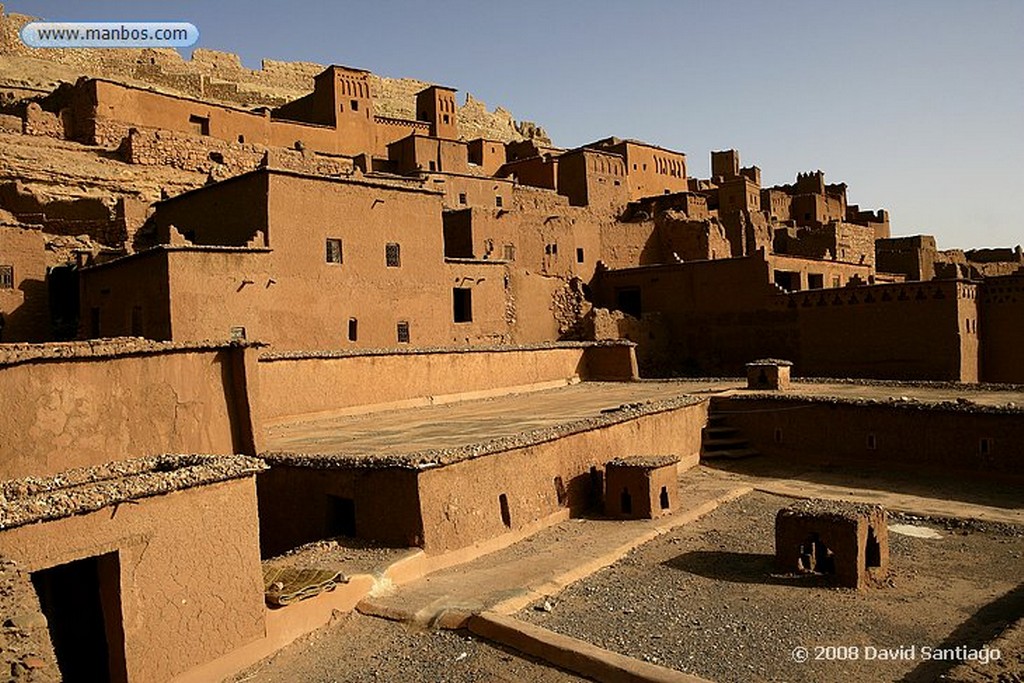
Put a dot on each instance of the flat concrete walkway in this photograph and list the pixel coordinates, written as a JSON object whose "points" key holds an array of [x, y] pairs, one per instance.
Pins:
{"points": [[465, 422], [543, 564]]}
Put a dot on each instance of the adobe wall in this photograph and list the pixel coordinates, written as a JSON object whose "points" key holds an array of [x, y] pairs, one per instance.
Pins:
{"points": [[296, 384], [191, 583], [25, 306], [900, 331], [488, 284], [1001, 321], [460, 502], [79, 404], [936, 438]]}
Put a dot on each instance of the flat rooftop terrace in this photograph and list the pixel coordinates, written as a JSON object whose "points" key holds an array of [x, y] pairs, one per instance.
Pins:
{"points": [[468, 422], [464, 423]]}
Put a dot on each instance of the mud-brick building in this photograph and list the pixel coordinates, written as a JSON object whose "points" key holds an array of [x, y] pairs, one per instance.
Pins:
{"points": [[144, 569], [300, 261]]}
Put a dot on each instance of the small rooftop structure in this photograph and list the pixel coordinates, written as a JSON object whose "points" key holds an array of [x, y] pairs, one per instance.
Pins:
{"points": [[768, 373]]}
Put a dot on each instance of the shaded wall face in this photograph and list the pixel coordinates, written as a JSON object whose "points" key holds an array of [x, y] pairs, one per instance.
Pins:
{"points": [[131, 298], [228, 214], [191, 587], [911, 331], [1001, 324], [24, 305], [929, 440], [298, 505], [66, 414], [462, 503]]}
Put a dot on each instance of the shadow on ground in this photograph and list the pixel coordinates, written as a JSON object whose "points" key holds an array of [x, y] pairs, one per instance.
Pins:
{"points": [[980, 628], [721, 565], [975, 489]]}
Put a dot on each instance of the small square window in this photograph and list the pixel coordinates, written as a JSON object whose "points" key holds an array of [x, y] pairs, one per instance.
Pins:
{"points": [[579, 255], [498, 201], [353, 329], [510, 252], [393, 255], [6, 277], [462, 198], [200, 125], [354, 104], [445, 118], [403, 331], [334, 254], [433, 165], [237, 334]]}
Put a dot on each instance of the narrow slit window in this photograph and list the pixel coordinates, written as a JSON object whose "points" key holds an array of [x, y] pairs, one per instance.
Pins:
{"points": [[393, 255], [334, 253]]}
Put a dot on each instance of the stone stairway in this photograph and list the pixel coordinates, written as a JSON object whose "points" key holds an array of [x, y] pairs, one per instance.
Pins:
{"points": [[721, 441]]}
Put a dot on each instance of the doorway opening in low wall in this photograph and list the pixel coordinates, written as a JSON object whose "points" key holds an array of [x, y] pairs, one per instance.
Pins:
{"points": [[816, 557], [341, 516], [506, 515], [82, 604], [873, 550], [560, 492], [626, 502], [664, 498]]}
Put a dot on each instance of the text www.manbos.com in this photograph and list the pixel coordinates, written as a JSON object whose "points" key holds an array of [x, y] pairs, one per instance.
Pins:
{"points": [[109, 34]]}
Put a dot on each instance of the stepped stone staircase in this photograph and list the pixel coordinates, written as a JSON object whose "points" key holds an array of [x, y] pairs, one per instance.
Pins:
{"points": [[721, 441]]}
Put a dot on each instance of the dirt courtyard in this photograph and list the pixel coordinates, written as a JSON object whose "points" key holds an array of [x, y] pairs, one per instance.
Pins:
{"points": [[706, 599]]}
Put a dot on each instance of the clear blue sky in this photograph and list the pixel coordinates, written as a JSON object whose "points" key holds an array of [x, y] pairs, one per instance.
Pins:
{"points": [[918, 105]]}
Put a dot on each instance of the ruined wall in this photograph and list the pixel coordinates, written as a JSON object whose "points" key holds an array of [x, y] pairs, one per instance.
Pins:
{"points": [[187, 567], [912, 256], [460, 502], [295, 384], [84, 403], [932, 438], [219, 158]]}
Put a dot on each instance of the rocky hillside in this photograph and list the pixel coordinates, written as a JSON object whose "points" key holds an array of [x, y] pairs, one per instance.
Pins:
{"points": [[218, 76]]}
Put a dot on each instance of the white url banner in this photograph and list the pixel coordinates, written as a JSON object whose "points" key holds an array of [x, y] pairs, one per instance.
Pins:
{"points": [[109, 34]]}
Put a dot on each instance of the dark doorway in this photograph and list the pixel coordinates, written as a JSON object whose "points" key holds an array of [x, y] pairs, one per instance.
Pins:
{"points": [[82, 604], [873, 551], [341, 516], [626, 502], [62, 283], [627, 300], [462, 304], [664, 498], [815, 556], [506, 514]]}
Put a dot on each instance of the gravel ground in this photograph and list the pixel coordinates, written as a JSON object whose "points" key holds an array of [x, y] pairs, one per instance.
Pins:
{"points": [[360, 649], [705, 599]]}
